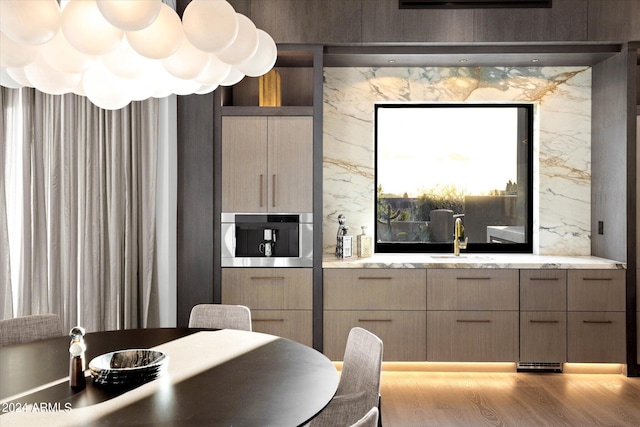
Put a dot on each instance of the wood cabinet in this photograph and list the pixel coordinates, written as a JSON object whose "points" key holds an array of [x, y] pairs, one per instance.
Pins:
{"points": [[472, 315], [280, 299], [267, 164], [390, 303], [543, 319], [596, 317]]}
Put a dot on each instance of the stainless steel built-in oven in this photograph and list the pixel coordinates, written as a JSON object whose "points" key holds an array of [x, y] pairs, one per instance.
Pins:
{"points": [[267, 240]]}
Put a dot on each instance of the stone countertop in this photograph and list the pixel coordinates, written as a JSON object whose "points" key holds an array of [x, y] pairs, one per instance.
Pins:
{"points": [[517, 261]]}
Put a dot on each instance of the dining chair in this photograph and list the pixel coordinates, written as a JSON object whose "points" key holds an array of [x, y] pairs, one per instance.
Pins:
{"points": [[369, 420], [33, 327], [220, 316], [359, 384]]}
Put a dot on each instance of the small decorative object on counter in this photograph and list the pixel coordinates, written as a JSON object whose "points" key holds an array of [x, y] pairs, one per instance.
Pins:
{"points": [[344, 243], [365, 243], [77, 363]]}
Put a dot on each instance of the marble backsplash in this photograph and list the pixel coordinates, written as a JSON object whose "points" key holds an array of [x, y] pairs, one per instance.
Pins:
{"points": [[562, 154]]}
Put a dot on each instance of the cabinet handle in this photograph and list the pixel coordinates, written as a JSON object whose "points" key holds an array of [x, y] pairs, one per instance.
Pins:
{"points": [[473, 278], [266, 278], [273, 190], [374, 320], [472, 321], [261, 189], [543, 321], [268, 320], [373, 278], [597, 321], [542, 279], [598, 278]]}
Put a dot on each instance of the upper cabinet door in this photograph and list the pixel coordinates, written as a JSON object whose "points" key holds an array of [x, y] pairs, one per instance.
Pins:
{"points": [[290, 168], [244, 164], [267, 164]]}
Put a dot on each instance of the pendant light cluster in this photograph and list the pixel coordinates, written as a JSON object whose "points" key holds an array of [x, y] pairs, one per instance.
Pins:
{"points": [[118, 51]]}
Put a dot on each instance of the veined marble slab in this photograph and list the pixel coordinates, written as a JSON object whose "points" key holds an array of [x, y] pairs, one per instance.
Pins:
{"points": [[562, 154], [474, 261]]}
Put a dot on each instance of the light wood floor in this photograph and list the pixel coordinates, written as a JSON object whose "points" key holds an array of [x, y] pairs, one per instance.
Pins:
{"points": [[419, 399]]}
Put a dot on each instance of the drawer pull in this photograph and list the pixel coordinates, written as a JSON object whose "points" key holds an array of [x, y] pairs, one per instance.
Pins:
{"points": [[597, 278], [543, 279], [268, 320], [472, 321], [597, 321], [374, 278], [374, 320], [473, 278], [543, 321], [267, 278]]}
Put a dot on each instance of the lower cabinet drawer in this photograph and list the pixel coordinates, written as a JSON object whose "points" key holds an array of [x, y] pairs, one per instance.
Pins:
{"points": [[596, 337], [402, 332], [295, 325], [472, 336], [543, 336]]}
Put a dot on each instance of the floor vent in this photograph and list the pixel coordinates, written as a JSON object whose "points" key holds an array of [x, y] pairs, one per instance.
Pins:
{"points": [[539, 367]]}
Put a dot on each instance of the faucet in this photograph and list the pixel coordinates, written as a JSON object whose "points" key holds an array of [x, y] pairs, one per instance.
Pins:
{"points": [[457, 235]]}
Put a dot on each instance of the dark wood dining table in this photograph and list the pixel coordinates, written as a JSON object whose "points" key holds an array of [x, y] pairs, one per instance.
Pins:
{"points": [[214, 377]]}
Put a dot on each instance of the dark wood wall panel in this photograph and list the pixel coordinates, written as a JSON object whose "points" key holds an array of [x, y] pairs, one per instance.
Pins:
{"points": [[195, 203], [609, 157], [566, 20], [383, 21], [614, 20], [309, 21]]}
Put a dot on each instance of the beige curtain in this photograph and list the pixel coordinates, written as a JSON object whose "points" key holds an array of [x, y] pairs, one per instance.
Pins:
{"points": [[77, 210]]}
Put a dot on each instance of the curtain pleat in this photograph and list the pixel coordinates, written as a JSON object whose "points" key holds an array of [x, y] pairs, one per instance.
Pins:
{"points": [[88, 188], [7, 99]]}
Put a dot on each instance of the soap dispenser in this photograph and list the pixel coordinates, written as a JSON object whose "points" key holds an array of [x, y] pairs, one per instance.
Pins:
{"points": [[365, 243]]}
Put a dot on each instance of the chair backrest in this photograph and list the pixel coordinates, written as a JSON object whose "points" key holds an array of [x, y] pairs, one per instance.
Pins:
{"points": [[220, 316], [369, 420], [359, 385], [361, 366], [30, 328]]}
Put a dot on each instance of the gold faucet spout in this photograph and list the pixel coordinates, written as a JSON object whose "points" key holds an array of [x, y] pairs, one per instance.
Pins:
{"points": [[457, 235]]}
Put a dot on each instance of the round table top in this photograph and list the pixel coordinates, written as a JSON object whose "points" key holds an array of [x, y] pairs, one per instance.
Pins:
{"points": [[214, 377]]}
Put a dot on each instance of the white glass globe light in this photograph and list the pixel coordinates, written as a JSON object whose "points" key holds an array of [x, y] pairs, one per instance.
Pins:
{"points": [[206, 89], [130, 15], [7, 81], [160, 39], [16, 54], [63, 57], [85, 28], [215, 72], [30, 22], [263, 60], [187, 62], [210, 25], [47, 79], [245, 44], [124, 61], [232, 78], [104, 89], [19, 76]]}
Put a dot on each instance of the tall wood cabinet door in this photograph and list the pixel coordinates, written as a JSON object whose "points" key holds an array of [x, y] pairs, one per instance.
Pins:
{"points": [[244, 164], [290, 154]]}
